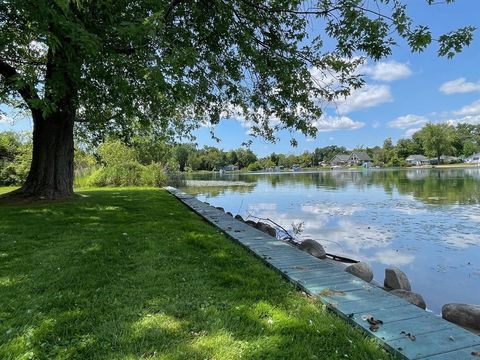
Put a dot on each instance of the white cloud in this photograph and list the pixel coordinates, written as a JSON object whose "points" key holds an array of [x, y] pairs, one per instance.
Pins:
{"points": [[393, 257], [471, 109], [459, 85], [5, 119], [471, 119], [410, 132], [330, 123], [407, 121], [366, 97], [387, 71]]}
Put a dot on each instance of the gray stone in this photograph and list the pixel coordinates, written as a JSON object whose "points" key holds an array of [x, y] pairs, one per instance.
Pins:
{"points": [[313, 248], [251, 223], [462, 314], [361, 270], [396, 279], [411, 297], [220, 208], [238, 217], [229, 213], [267, 229]]}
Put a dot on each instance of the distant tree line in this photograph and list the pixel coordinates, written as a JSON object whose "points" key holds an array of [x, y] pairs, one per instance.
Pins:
{"points": [[147, 160]]}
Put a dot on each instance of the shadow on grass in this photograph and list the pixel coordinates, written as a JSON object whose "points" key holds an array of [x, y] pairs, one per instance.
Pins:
{"points": [[127, 274]]}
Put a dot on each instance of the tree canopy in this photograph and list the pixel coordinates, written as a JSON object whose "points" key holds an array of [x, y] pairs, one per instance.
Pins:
{"points": [[121, 66]]}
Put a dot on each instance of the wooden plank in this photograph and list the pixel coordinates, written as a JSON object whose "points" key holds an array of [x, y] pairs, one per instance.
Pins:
{"points": [[344, 286], [466, 353], [408, 311], [435, 342], [314, 283], [366, 305], [407, 328]]}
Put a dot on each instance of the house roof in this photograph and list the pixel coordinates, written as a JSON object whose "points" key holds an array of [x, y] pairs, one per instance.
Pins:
{"points": [[361, 155], [341, 157], [416, 158], [474, 156], [448, 157]]}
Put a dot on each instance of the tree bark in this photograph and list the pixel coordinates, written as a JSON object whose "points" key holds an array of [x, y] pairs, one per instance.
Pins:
{"points": [[51, 171]]}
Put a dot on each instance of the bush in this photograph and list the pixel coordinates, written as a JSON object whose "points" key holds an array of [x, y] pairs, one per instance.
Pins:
{"points": [[114, 152], [128, 174], [15, 165], [255, 166], [154, 175]]}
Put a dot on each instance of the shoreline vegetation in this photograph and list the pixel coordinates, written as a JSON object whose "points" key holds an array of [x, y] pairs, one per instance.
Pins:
{"points": [[151, 162], [131, 273]]}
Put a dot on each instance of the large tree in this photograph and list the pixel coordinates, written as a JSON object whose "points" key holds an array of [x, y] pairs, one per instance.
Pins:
{"points": [[116, 65], [437, 140]]}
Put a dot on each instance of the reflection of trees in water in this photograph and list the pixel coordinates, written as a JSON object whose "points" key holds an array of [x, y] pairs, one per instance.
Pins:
{"points": [[212, 191], [431, 186], [445, 187]]}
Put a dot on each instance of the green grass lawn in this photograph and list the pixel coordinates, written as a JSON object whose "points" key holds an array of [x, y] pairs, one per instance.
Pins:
{"points": [[132, 274]]}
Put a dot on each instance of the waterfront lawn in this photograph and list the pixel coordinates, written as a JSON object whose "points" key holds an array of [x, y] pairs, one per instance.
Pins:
{"points": [[129, 274]]}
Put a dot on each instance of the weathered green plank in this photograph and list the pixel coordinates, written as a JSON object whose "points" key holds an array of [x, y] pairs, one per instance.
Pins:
{"points": [[316, 282], [466, 353], [435, 342], [408, 311], [367, 304], [344, 286], [408, 328]]}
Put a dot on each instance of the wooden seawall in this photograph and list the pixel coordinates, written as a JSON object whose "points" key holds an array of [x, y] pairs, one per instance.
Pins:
{"points": [[407, 331]]}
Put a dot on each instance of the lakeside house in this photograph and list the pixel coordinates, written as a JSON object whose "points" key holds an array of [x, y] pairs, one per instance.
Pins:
{"points": [[417, 160], [355, 158], [445, 159], [339, 160], [473, 159], [359, 158]]}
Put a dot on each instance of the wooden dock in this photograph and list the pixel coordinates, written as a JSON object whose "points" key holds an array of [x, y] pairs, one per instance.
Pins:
{"points": [[407, 331]]}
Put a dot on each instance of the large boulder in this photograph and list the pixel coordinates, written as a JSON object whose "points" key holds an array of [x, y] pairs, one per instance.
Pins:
{"points": [[396, 279], [267, 229], [220, 208], [462, 314], [238, 217], [411, 297], [313, 248], [251, 223], [361, 270]]}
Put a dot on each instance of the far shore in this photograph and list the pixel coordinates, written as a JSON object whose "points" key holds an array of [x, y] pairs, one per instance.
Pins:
{"points": [[329, 168]]}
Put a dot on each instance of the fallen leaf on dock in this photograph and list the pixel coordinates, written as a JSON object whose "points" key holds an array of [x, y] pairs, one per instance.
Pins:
{"points": [[329, 293]]}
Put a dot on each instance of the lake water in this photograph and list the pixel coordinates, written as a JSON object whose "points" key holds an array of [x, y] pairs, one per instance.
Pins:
{"points": [[424, 221]]}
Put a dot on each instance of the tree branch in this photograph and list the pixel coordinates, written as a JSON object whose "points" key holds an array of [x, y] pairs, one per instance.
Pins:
{"points": [[171, 7], [26, 91]]}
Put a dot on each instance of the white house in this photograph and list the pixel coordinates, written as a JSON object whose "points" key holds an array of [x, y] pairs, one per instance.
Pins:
{"points": [[417, 160], [473, 159]]}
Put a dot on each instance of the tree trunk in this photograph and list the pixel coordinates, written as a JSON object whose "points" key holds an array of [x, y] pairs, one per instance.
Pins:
{"points": [[51, 171]]}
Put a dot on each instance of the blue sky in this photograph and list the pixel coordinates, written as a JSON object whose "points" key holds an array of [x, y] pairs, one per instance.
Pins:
{"points": [[402, 93]]}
